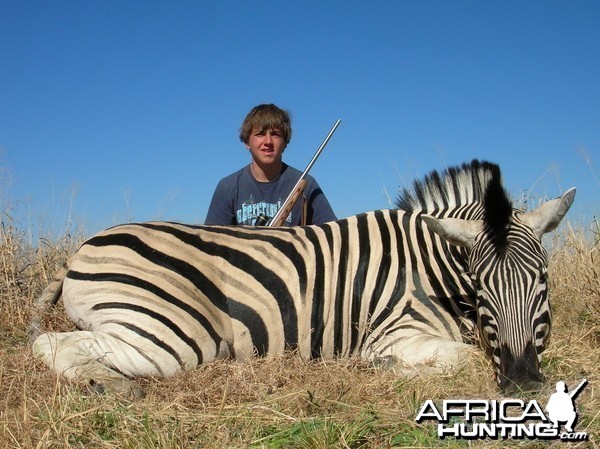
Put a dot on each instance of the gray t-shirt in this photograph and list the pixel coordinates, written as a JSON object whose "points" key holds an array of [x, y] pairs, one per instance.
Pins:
{"points": [[239, 199]]}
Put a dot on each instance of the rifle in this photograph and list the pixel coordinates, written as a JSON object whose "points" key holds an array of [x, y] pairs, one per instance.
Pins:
{"points": [[288, 204]]}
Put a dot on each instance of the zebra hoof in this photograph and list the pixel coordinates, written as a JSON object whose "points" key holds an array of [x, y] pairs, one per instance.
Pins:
{"points": [[126, 389]]}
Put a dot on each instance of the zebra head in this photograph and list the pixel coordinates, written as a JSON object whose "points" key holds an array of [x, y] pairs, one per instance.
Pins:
{"points": [[507, 265]]}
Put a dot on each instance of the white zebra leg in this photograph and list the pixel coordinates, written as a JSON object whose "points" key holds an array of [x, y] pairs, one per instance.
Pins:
{"points": [[419, 354], [94, 356]]}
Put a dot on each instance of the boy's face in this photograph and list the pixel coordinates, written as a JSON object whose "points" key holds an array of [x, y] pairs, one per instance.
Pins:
{"points": [[266, 145]]}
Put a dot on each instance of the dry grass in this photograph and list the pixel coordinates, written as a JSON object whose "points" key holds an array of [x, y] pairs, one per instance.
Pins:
{"points": [[273, 402]]}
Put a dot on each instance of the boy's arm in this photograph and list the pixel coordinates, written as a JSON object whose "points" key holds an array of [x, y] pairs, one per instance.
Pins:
{"points": [[220, 211], [319, 209]]}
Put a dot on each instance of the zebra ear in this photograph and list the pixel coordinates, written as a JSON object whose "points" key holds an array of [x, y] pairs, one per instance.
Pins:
{"points": [[456, 231], [547, 217]]}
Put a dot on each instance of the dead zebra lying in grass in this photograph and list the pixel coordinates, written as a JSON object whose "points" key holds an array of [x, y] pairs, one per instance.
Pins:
{"points": [[401, 288]]}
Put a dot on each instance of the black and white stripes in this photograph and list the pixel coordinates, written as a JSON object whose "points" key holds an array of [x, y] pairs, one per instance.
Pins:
{"points": [[406, 287]]}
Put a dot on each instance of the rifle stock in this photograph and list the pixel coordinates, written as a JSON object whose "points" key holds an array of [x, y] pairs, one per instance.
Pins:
{"points": [[287, 206]]}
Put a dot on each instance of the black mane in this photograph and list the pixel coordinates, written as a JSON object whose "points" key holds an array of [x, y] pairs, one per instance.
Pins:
{"points": [[475, 182]]}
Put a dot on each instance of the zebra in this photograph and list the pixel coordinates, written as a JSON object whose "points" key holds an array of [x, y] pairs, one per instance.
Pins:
{"points": [[411, 289]]}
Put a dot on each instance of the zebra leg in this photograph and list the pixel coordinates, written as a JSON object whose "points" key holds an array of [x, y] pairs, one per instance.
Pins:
{"points": [[418, 353], [94, 356]]}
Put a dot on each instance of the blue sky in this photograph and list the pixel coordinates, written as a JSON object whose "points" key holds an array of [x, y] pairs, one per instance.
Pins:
{"points": [[112, 111]]}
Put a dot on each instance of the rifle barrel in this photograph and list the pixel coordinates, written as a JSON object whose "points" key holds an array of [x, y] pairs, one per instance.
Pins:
{"points": [[285, 205], [320, 149]]}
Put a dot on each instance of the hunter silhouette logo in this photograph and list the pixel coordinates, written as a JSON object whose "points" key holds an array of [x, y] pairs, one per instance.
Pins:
{"points": [[508, 418], [561, 405]]}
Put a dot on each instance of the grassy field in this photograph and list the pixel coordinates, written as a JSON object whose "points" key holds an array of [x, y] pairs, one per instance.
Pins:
{"points": [[280, 401]]}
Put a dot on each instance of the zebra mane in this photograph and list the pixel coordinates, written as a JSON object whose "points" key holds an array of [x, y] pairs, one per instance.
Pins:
{"points": [[475, 182]]}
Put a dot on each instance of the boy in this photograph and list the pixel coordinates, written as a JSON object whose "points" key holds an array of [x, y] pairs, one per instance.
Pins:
{"points": [[263, 186]]}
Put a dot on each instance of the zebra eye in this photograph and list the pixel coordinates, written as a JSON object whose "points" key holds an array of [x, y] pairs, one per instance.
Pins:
{"points": [[542, 280]]}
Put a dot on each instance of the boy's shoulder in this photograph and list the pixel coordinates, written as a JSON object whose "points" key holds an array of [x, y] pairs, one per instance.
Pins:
{"points": [[234, 177]]}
